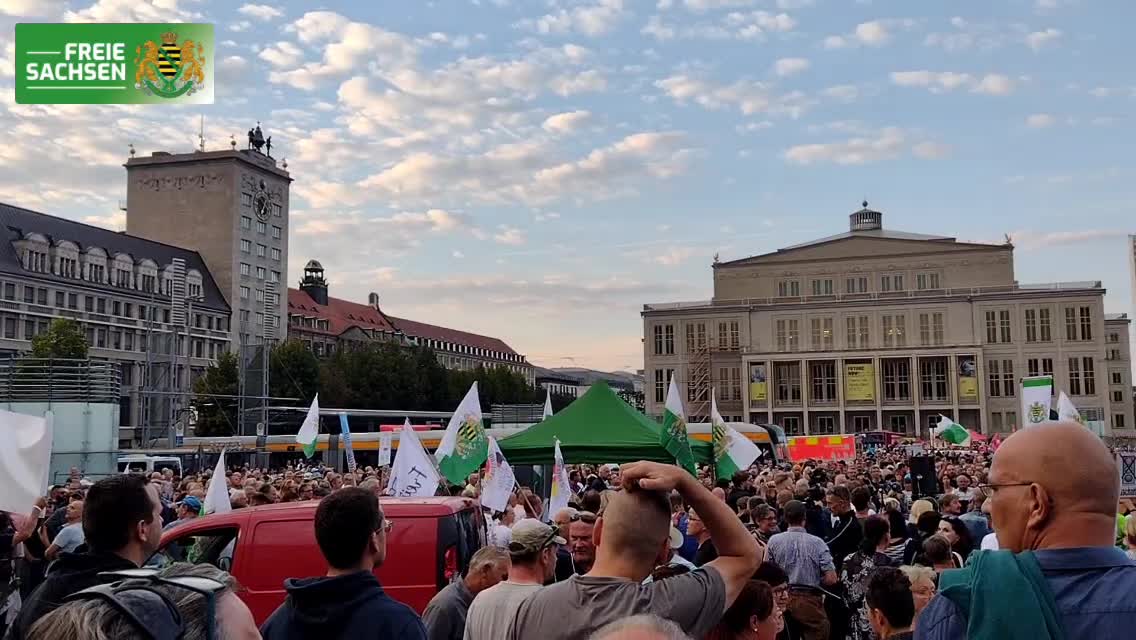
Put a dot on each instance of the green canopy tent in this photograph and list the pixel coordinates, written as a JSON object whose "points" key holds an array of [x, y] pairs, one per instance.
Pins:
{"points": [[598, 427]]}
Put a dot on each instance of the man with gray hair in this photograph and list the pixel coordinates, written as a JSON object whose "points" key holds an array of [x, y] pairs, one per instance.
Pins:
{"points": [[445, 615], [92, 615], [533, 555], [641, 627]]}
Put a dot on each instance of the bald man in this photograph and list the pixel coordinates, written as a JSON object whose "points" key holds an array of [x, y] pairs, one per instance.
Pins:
{"points": [[631, 539], [1053, 491]]}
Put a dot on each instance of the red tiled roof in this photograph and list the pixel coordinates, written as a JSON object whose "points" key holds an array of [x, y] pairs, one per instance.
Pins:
{"points": [[434, 332], [340, 314]]}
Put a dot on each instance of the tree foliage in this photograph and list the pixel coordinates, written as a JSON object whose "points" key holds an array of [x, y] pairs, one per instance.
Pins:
{"points": [[64, 338], [294, 371], [217, 416]]}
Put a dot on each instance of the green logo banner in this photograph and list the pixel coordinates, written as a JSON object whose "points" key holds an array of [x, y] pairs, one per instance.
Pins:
{"points": [[138, 63]]}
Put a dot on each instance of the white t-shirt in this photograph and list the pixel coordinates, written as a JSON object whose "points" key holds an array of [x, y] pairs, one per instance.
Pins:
{"points": [[500, 536], [990, 542], [490, 616]]}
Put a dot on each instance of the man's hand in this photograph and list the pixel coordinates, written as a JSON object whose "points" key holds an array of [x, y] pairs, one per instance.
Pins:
{"points": [[653, 476]]}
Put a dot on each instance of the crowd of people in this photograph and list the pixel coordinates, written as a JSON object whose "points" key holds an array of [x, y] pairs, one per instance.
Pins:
{"points": [[1031, 541]]}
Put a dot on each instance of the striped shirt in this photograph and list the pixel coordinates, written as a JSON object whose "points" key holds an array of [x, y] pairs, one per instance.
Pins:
{"points": [[802, 555]]}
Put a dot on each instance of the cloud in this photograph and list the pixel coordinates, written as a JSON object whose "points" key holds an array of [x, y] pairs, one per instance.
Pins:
{"points": [[875, 33], [754, 127], [131, 11], [746, 26], [567, 122], [1040, 121], [702, 6], [595, 18], [578, 82], [546, 216], [31, 8], [115, 220], [260, 11], [509, 235], [885, 144], [747, 96], [1032, 240], [344, 44], [1038, 40], [673, 257], [842, 92], [282, 54], [790, 66], [946, 81]]}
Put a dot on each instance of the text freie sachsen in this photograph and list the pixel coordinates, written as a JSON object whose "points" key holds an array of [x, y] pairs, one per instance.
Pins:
{"points": [[104, 61]]}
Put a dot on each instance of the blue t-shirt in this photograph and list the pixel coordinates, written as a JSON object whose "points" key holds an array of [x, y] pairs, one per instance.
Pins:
{"points": [[70, 537], [1093, 588]]}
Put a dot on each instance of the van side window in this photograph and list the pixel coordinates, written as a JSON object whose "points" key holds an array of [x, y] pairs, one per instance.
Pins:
{"points": [[209, 547]]}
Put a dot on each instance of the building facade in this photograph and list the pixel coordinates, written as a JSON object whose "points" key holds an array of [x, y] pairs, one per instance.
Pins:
{"points": [[231, 207], [326, 324], [558, 382], [1118, 357], [132, 297], [877, 329]]}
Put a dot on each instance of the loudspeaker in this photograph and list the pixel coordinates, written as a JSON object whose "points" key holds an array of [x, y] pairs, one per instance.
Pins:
{"points": [[923, 480]]}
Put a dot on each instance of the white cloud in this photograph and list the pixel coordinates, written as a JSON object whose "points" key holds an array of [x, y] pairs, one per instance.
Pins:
{"points": [[260, 11], [1040, 121], [994, 84], [509, 235], [945, 81], [673, 257], [790, 66], [885, 144], [344, 44], [569, 84], [702, 6], [875, 33], [594, 18], [1039, 39], [842, 92], [458, 254], [872, 33], [751, 25], [835, 42], [754, 127], [31, 8], [747, 96], [282, 54], [131, 11], [115, 220], [239, 26], [567, 122]]}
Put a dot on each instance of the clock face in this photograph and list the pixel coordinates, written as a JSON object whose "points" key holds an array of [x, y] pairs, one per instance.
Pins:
{"points": [[262, 205]]}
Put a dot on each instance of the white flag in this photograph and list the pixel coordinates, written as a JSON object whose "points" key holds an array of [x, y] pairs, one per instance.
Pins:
{"points": [[733, 452], [561, 489], [547, 404], [25, 463], [1037, 396], [497, 485], [413, 474], [309, 431], [217, 497], [1066, 410], [385, 448]]}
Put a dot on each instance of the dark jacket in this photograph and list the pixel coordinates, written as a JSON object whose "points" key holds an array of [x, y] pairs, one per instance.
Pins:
{"points": [[71, 573], [351, 606], [845, 538]]}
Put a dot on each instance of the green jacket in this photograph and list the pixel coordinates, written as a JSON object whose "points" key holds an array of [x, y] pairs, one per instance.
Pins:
{"points": [[1003, 596]]}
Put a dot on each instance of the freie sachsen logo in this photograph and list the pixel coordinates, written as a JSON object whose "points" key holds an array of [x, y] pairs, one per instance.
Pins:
{"points": [[138, 63]]}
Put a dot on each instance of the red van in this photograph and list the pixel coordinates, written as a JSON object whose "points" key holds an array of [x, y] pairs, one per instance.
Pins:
{"points": [[430, 544]]}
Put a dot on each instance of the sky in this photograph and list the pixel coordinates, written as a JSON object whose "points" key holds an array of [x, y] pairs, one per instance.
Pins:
{"points": [[537, 170]]}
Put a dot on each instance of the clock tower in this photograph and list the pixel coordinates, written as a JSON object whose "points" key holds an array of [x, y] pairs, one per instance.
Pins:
{"points": [[231, 206]]}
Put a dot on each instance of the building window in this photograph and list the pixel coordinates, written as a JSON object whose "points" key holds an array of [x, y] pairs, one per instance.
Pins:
{"points": [[1070, 324], [1118, 396], [275, 253], [1086, 315], [924, 281], [68, 267], [825, 425], [9, 328], [994, 378], [1118, 421], [274, 276], [821, 334], [260, 272], [1117, 377], [96, 273], [259, 318], [897, 380], [788, 289], [891, 282], [245, 313], [822, 378], [735, 383], [260, 227], [1004, 326], [822, 287], [894, 331], [690, 338], [792, 425], [276, 232], [658, 339], [1009, 383], [246, 222], [244, 293], [856, 285], [246, 246], [29, 294], [898, 423], [930, 329], [276, 209], [933, 379], [149, 282], [245, 268], [122, 278], [787, 377], [1031, 325], [1039, 367], [662, 378], [1046, 332], [735, 335], [788, 335], [60, 299], [261, 250], [194, 289]]}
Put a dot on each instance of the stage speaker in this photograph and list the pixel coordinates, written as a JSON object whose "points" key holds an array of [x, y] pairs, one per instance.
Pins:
{"points": [[923, 480]]}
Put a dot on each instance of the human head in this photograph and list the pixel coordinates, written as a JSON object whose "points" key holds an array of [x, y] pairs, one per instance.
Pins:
{"points": [[875, 534], [778, 580], [562, 518], [897, 528], [591, 501], [74, 511], [891, 607], [581, 539], [370, 484], [487, 567], [122, 514], [238, 499], [190, 507], [694, 524], [640, 627], [795, 513], [922, 585], [764, 518], [839, 500], [634, 531], [97, 619], [963, 481], [861, 498], [950, 505], [743, 505], [928, 524], [534, 546], [752, 611], [918, 508], [1033, 507], [937, 550], [235, 479], [351, 530]]}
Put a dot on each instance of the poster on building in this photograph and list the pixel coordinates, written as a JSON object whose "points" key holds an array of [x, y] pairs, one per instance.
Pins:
{"points": [[757, 382], [1126, 465], [859, 382], [968, 378]]}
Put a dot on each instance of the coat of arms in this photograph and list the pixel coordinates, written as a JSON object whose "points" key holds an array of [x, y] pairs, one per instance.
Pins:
{"points": [[470, 432], [1037, 413], [170, 70]]}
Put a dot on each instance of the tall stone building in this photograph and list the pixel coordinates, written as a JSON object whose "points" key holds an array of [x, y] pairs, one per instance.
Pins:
{"points": [[231, 207], [877, 329]]}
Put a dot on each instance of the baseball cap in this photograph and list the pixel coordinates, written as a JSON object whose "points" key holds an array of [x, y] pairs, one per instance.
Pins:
{"points": [[530, 536], [192, 503]]}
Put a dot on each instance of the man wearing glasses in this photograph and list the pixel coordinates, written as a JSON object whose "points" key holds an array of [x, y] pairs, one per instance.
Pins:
{"points": [[1052, 494], [351, 531]]}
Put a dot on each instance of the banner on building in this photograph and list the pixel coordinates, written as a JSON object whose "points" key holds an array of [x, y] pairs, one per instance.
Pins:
{"points": [[1126, 466], [757, 382], [1037, 397], [968, 378], [859, 382]]}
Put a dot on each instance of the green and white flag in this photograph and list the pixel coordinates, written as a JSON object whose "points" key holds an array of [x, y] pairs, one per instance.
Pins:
{"points": [[1037, 397], [951, 431], [733, 452], [217, 495], [547, 404], [309, 431], [673, 437], [464, 447], [1066, 410]]}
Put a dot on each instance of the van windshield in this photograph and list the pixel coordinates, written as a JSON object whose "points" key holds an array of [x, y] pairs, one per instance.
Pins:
{"points": [[213, 547]]}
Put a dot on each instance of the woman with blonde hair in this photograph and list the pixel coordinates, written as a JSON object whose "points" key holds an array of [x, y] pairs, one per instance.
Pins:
{"points": [[922, 585]]}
